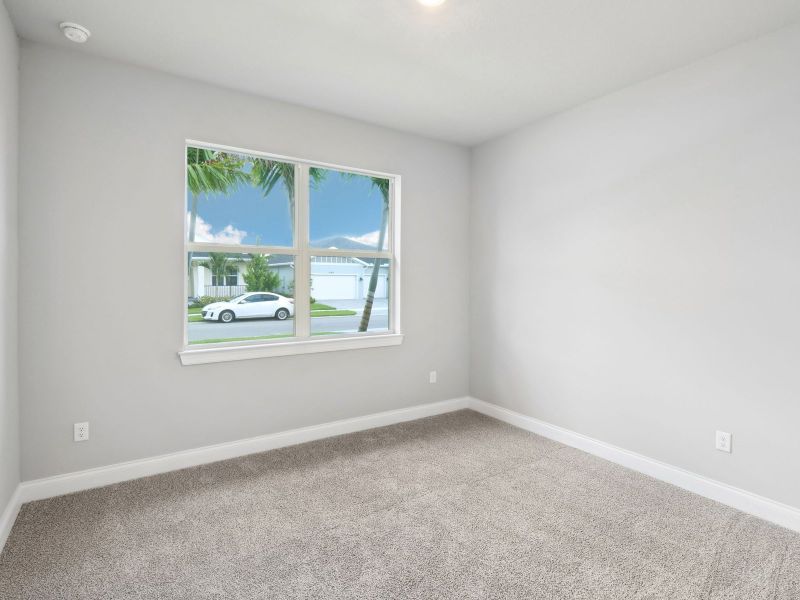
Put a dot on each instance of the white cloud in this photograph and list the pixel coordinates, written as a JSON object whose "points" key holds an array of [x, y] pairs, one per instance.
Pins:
{"points": [[371, 239], [229, 234]]}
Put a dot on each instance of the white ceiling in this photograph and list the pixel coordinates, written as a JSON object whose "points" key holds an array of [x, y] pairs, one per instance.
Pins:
{"points": [[464, 72]]}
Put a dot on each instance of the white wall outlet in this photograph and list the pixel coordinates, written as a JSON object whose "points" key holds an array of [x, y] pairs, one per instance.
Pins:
{"points": [[81, 432], [432, 377], [724, 441]]}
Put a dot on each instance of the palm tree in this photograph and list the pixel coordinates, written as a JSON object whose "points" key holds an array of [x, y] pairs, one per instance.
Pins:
{"points": [[382, 185], [266, 174], [209, 172], [221, 265]]}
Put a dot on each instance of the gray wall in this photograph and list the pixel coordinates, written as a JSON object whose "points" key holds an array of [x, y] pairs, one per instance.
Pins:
{"points": [[101, 203], [639, 257], [9, 407]]}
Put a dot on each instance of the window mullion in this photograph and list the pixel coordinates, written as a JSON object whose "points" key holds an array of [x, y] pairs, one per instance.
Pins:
{"points": [[302, 264], [394, 248], [351, 253], [237, 248]]}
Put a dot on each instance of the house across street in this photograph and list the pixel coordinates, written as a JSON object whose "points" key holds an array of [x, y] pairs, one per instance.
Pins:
{"points": [[332, 277]]}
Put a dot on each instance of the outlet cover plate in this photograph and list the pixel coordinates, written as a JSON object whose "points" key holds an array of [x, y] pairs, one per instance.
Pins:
{"points": [[81, 431], [723, 441]]}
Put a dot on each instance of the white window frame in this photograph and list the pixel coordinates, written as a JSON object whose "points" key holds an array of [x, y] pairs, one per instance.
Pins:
{"points": [[302, 342]]}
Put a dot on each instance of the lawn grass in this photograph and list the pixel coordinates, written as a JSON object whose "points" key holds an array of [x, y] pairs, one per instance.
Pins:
{"points": [[258, 337], [320, 306], [317, 310], [314, 306], [316, 313]]}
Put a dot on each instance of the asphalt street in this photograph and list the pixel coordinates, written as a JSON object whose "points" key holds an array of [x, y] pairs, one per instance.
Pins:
{"points": [[208, 330]]}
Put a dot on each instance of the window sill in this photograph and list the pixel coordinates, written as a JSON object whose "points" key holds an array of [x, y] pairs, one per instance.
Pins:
{"points": [[200, 356]]}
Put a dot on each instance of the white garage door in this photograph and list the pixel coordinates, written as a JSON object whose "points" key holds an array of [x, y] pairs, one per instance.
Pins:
{"points": [[382, 287], [333, 287]]}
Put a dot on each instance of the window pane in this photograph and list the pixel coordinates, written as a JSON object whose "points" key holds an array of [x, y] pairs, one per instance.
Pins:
{"points": [[238, 199], [348, 211], [229, 299], [340, 287]]}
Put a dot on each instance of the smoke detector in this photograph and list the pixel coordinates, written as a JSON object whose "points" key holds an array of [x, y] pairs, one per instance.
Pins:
{"points": [[74, 32]]}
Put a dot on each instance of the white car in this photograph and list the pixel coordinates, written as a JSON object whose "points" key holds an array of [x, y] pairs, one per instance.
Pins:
{"points": [[253, 305]]}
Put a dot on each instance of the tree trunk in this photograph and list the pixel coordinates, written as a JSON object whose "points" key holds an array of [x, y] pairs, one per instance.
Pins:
{"points": [[192, 228], [290, 194], [373, 280]]}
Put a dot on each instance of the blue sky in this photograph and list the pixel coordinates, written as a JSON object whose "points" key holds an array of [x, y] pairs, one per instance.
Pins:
{"points": [[340, 206]]}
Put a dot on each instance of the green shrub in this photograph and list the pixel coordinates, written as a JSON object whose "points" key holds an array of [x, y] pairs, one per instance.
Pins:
{"points": [[258, 276], [204, 300]]}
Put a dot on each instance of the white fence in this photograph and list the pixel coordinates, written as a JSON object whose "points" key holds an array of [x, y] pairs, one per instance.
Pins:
{"points": [[222, 291]]}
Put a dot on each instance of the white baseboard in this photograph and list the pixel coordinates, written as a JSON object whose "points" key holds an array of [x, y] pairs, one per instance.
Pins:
{"points": [[58, 485], [764, 508], [49, 487], [9, 515]]}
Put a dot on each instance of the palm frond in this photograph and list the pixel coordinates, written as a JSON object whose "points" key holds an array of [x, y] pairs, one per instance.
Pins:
{"points": [[379, 183], [211, 171], [266, 174], [220, 264], [317, 175]]}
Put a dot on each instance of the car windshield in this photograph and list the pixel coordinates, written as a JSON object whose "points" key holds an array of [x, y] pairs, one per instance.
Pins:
{"points": [[237, 298]]}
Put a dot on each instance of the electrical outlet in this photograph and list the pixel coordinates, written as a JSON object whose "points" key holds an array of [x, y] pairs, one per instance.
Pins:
{"points": [[432, 377], [724, 441], [81, 432]]}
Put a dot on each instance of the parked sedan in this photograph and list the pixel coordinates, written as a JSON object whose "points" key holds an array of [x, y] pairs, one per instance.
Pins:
{"points": [[254, 305]]}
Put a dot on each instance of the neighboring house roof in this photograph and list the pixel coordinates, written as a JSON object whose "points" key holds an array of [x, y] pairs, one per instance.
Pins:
{"points": [[341, 242], [206, 256]]}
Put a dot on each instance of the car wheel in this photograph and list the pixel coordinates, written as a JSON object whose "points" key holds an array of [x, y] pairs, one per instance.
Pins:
{"points": [[281, 314], [226, 316]]}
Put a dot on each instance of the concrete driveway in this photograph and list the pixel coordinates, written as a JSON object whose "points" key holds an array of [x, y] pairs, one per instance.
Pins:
{"points": [[379, 305]]}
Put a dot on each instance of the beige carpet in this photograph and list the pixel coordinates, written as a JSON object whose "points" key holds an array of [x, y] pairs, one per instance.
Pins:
{"points": [[456, 506]]}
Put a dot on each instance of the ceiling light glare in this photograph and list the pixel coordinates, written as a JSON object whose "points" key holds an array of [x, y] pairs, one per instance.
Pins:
{"points": [[74, 32], [431, 3]]}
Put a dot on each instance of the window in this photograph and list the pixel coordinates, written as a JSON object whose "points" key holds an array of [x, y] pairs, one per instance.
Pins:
{"points": [[229, 279], [286, 256]]}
